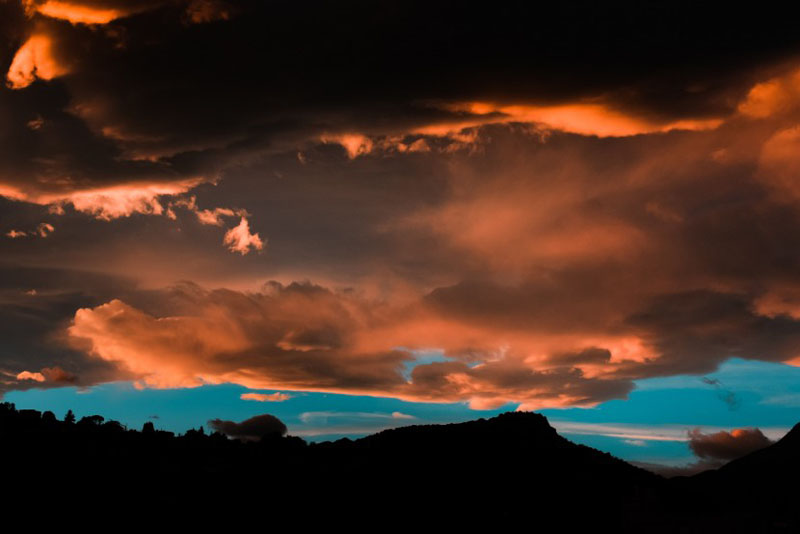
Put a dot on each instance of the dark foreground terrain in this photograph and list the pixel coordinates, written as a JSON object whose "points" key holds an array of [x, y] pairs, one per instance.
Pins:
{"points": [[511, 473]]}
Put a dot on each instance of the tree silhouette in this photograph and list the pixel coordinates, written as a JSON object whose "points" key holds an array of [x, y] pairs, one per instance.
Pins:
{"points": [[69, 418]]}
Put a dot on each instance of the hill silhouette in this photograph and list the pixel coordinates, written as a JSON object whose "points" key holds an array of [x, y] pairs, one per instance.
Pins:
{"points": [[498, 473]]}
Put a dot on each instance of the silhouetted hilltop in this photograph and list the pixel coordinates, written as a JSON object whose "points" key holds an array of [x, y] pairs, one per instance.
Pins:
{"points": [[493, 473]]}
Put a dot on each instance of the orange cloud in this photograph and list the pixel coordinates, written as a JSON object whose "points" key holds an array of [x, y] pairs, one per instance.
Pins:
{"points": [[167, 353], [779, 164], [581, 118], [340, 343], [109, 202], [590, 119], [77, 13], [42, 230], [355, 144], [772, 97], [34, 59], [54, 375], [266, 397], [27, 375], [499, 345], [212, 217], [45, 229], [239, 239]]}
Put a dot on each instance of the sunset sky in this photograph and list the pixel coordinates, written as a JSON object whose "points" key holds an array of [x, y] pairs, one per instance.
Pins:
{"points": [[361, 215]]}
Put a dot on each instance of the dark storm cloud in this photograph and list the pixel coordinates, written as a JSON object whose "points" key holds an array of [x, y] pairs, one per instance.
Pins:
{"points": [[726, 446], [277, 72], [34, 305], [250, 429], [696, 331]]}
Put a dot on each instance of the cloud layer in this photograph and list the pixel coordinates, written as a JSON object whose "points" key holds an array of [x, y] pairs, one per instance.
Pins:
{"points": [[556, 217]]}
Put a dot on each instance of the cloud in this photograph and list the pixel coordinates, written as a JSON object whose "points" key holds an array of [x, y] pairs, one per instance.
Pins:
{"points": [[214, 217], [581, 118], [355, 144], [89, 12], [555, 230], [724, 394], [317, 417], [42, 230], [27, 375], [45, 229], [725, 446], [780, 94], [76, 13], [35, 59], [266, 397], [205, 11], [111, 202], [305, 337], [53, 375], [252, 429], [239, 239]]}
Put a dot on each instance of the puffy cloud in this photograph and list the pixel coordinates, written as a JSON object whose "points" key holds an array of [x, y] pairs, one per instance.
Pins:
{"points": [[239, 239], [53, 375], [206, 343], [303, 337], [725, 446], [777, 95], [251, 429], [27, 375]]}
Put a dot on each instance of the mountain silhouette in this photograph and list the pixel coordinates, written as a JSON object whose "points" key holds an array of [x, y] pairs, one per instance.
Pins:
{"points": [[500, 473]]}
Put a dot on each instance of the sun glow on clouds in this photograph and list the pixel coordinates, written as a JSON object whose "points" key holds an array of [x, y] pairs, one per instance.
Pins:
{"points": [[355, 144], [590, 119], [27, 375], [774, 96], [580, 118], [76, 13], [109, 202], [337, 343], [124, 200], [266, 397], [34, 60], [239, 239]]}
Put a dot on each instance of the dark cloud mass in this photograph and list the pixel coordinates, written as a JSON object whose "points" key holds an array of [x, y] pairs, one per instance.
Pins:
{"points": [[250, 429], [561, 199], [726, 446]]}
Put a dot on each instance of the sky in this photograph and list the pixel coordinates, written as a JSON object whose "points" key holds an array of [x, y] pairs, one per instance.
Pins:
{"points": [[361, 215]]}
